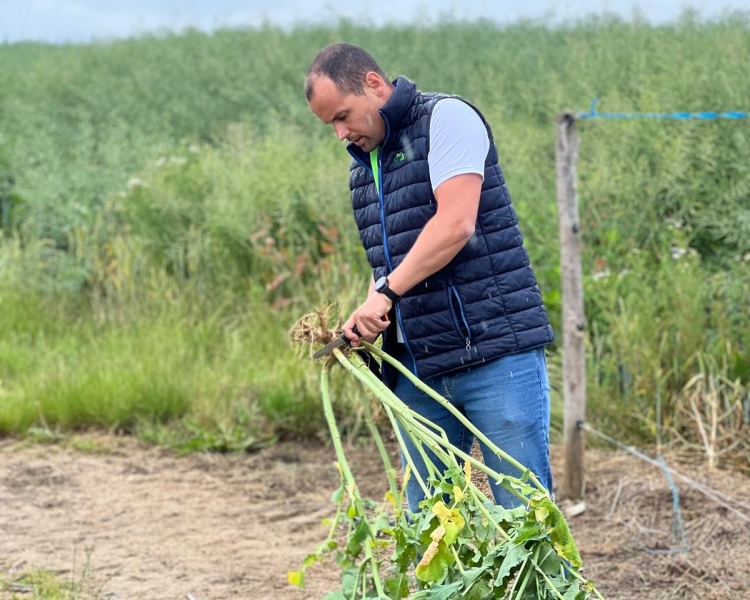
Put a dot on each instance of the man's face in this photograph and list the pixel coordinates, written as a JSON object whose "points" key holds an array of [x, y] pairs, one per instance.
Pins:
{"points": [[354, 117]]}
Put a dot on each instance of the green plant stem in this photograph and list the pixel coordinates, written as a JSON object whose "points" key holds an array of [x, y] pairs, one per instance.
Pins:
{"points": [[375, 571], [336, 437], [423, 433], [332, 426], [458, 560], [361, 571], [404, 418], [439, 447], [390, 472], [433, 442], [332, 530], [547, 580], [452, 409], [407, 455], [352, 367], [386, 398], [529, 570]]}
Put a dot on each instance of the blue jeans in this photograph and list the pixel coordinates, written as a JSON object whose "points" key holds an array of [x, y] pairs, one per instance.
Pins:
{"points": [[506, 399]]}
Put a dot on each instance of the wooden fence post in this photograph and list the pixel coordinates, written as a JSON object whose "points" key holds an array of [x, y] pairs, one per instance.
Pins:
{"points": [[573, 322]]}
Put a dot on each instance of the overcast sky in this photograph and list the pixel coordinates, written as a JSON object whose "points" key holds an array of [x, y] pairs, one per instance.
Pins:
{"points": [[82, 20]]}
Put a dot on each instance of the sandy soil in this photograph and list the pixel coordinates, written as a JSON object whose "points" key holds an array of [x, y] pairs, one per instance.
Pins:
{"points": [[149, 525]]}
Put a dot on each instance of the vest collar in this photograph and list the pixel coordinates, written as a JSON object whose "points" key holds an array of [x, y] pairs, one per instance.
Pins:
{"points": [[394, 112]]}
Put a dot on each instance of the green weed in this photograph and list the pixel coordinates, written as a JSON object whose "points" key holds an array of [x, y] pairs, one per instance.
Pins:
{"points": [[176, 207]]}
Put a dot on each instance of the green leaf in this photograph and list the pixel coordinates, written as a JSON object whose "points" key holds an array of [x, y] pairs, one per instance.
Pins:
{"points": [[349, 580], [360, 534], [338, 495], [439, 592], [546, 512], [549, 561], [483, 529], [525, 488], [310, 560], [572, 592], [334, 596], [475, 586], [506, 515], [498, 550], [405, 556], [470, 575], [397, 586], [479, 591], [456, 477], [529, 530], [435, 562], [515, 557], [425, 526]]}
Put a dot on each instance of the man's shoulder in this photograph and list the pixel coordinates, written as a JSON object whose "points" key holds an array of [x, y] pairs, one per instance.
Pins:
{"points": [[428, 100]]}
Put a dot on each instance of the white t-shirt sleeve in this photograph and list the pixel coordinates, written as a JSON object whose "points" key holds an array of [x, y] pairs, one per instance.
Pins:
{"points": [[458, 141]]}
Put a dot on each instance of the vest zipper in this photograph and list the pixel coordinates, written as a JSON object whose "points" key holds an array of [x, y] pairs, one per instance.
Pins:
{"points": [[457, 310]]}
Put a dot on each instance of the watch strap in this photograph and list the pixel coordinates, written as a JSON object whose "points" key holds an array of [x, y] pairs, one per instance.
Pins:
{"points": [[390, 294]]}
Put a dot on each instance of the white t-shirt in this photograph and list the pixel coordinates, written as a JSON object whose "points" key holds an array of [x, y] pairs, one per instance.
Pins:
{"points": [[458, 141], [458, 145]]}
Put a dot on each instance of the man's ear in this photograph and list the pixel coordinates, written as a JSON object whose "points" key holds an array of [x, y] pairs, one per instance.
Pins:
{"points": [[375, 82]]}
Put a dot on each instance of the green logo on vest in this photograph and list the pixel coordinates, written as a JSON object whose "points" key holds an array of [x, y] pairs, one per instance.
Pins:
{"points": [[399, 157]]}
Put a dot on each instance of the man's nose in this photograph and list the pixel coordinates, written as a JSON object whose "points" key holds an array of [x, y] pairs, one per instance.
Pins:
{"points": [[341, 131]]}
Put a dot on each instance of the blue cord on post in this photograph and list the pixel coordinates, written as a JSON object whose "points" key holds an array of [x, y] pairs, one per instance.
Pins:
{"points": [[705, 116]]}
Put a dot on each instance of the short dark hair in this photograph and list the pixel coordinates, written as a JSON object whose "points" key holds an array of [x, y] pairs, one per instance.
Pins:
{"points": [[345, 65]]}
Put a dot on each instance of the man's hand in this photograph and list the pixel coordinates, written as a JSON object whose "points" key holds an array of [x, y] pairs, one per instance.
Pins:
{"points": [[371, 319]]}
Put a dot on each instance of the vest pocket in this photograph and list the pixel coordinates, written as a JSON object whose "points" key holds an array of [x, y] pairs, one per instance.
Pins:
{"points": [[457, 312]]}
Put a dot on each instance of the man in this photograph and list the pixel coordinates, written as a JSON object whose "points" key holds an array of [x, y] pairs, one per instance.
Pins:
{"points": [[452, 290]]}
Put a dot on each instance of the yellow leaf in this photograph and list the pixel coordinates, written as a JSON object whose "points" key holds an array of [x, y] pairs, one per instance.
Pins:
{"points": [[429, 554], [450, 519], [458, 494], [296, 578], [541, 513], [391, 500], [435, 563], [441, 510], [467, 470], [438, 534]]}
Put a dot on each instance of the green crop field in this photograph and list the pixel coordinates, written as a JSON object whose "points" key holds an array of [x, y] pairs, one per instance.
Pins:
{"points": [[171, 207]]}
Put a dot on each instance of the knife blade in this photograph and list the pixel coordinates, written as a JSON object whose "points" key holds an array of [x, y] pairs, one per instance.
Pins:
{"points": [[337, 343]]}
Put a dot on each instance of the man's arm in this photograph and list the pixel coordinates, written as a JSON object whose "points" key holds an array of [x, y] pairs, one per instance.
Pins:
{"points": [[440, 240], [444, 235]]}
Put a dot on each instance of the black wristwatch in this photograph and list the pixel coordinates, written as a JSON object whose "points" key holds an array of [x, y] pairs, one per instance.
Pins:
{"points": [[381, 286]]}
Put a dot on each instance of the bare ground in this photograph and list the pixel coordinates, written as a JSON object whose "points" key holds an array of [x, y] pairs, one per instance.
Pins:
{"points": [[148, 525]]}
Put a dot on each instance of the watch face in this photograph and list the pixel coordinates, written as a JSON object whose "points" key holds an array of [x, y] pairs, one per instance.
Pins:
{"points": [[381, 284]]}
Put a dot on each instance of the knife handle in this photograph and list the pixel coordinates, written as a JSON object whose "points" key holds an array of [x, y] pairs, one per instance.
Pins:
{"points": [[356, 332]]}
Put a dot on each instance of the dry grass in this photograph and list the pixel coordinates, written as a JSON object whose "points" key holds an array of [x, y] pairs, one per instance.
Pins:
{"points": [[629, 510]]}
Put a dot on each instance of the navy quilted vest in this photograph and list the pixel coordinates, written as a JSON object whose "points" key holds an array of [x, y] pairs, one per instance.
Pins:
{"points": [[485, 303]]}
